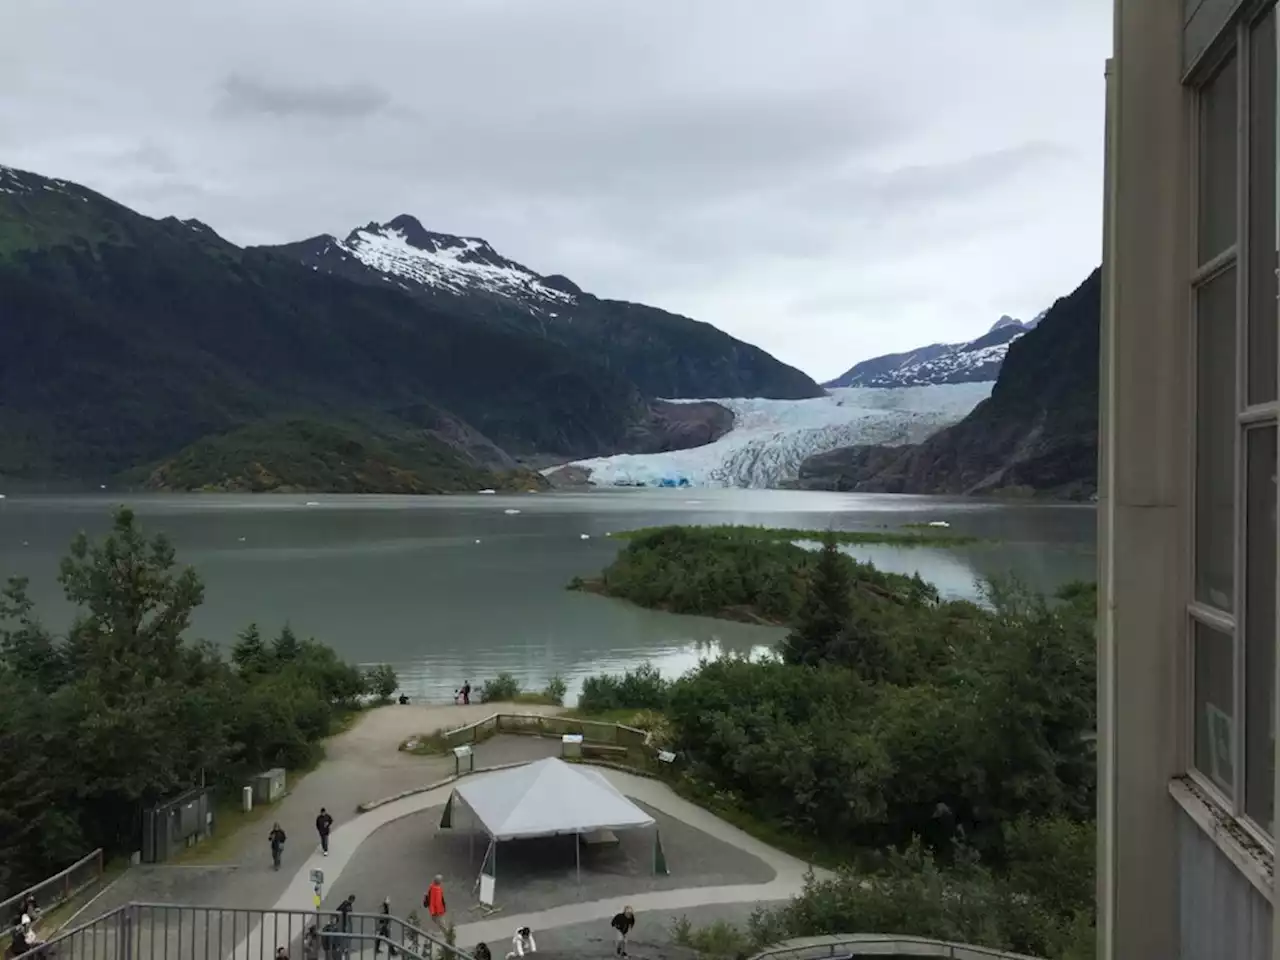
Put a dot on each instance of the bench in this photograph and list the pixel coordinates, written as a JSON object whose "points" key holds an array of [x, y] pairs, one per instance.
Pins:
{"points": [[606, 750]]}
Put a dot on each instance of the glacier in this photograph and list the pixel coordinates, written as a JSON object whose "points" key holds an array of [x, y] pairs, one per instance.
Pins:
{"points": [[771, 438]]}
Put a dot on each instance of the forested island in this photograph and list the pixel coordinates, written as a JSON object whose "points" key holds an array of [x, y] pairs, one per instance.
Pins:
{"points": [[937, 753]]}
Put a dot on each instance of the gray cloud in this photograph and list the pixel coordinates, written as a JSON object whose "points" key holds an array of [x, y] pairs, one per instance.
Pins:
{"points": [[243, 96], [825, 178]]}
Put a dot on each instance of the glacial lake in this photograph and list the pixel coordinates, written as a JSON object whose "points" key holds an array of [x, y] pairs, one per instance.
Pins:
{"points": [[454, 588]]}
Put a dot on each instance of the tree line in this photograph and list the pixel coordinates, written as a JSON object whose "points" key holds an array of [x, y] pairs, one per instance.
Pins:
{"points": [[938, 752], [125, 710]]}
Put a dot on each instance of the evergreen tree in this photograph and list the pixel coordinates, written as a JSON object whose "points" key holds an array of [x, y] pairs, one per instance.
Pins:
{"points": [[250, 652], [823, 619], [287, 647]]}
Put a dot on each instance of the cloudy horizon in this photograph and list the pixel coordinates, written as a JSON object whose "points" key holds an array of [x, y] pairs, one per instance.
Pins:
{"points": [[827, 179]]}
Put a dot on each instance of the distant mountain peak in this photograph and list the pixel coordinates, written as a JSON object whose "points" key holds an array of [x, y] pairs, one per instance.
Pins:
{"points": [[975, 361], [1006, 321], [409, 254]]}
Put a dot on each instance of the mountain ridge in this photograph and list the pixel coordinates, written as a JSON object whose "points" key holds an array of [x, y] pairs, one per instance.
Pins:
{"points": [[131, 338], [1036, 434], [972, 361], [665, 354]]}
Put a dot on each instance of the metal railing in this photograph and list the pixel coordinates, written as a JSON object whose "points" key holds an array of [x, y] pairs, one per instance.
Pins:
{"points": [[846, 946], [593, 732], [59, 888], [158, 931]]}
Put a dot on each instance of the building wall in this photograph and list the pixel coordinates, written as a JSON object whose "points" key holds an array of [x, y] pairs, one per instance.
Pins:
{"points": [[1184, 861], [1222, 914]]}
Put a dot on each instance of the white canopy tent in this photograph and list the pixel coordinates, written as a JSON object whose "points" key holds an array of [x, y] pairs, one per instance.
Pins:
{"points": [[547, 798]]}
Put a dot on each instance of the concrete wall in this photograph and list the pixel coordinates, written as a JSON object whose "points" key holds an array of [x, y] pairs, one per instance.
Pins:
{"points": [[1143, 497], [1223, 916]]}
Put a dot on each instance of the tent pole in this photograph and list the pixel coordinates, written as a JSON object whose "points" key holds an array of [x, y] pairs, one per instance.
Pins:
{"points": [[577, 856]]}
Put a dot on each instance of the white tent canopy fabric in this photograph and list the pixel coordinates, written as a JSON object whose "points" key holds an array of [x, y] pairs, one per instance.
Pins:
{"points": [[548, 798]]}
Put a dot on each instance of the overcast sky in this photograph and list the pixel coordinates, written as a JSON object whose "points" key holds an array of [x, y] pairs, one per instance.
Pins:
{"points": [[829, 179]]}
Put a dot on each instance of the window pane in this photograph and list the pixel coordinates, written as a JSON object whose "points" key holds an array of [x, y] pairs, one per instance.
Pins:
{"points": [[1263, 354], [1215, 440], [1215, 704], [1218, 142], [1260, 623]]}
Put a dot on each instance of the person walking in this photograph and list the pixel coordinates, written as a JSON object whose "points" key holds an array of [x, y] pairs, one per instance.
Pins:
{"points": [[383, 929], [276, 838], [434, 901], [344, 911], [324, 823], [622, 924]]}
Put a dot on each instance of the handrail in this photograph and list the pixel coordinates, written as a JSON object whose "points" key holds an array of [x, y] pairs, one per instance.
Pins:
{"points": [[881, 944], [62, 875], [154, 930], [538, 719]]}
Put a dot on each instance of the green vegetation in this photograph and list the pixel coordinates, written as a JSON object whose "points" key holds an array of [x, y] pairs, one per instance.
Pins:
{"points": [[936, 753], [306, 455], [125, 710], [505, 688], [922, 535], [734, 573]]}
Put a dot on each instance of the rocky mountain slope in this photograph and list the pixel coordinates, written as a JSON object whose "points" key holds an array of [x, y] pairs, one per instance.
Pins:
{"points": [[663, 354], [127, 339], [1037, 433], [971, 362]]}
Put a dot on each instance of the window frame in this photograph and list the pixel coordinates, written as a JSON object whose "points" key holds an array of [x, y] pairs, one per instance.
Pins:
{"points": [[1235, 50]]}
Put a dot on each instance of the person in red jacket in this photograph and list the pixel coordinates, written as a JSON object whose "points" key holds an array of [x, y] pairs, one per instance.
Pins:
{"points": [[434, 901]]}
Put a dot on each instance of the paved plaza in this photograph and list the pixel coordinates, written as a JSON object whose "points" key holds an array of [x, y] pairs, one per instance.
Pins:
{"points": [[393, 850]]}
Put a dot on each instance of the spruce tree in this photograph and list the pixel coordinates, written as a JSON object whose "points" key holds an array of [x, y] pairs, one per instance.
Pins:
{"points": [[823, 618]]}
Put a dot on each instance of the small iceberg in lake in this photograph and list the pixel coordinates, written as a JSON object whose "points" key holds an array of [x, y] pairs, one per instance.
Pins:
{"points": [[511, 511], [486, 491], [939, 523], [312, 503], [584, 536]]}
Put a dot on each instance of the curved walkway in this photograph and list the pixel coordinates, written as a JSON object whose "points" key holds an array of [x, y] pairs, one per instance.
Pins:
{"points": [[789, 879]]}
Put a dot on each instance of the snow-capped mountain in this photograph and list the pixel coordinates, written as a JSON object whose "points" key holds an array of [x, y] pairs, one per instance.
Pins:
{"points": [[664, 354], [413, 258], [771, 438], [976, 361]]}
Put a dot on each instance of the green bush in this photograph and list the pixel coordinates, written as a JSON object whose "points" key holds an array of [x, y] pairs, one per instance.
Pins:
{"points": [[381, 681], [504, 688], [643, 688], [555, 690]]}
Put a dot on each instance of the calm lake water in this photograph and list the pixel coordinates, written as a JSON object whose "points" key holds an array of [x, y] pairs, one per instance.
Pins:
{"points": [[453, 588]]}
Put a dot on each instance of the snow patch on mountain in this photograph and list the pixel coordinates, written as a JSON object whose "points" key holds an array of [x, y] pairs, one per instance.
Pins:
{"points": [[459, 265], [938, 363], [771, 438]]}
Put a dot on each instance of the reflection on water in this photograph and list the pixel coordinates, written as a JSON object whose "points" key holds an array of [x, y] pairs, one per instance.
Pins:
{"points": [[452, 588]]}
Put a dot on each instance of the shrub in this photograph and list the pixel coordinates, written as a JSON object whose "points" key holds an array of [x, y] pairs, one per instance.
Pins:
{"points": [[643, 688], [504, 688], [381, 681], [555, 690], [718, 939]]}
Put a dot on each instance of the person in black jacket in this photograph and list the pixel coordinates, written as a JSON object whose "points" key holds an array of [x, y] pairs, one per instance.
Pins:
{"points": [[622, 924], [276, 838], [324, 823]]}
